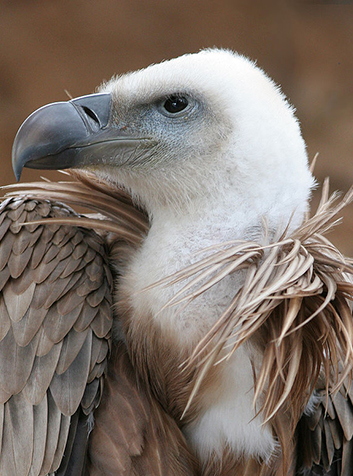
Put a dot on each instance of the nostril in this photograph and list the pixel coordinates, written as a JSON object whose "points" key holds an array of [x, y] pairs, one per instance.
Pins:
{"points": [[94, 110], [91, 114]]}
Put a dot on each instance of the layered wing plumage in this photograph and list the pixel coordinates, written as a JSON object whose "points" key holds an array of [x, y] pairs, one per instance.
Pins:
{"points": [[55, 329], [325, 434]]}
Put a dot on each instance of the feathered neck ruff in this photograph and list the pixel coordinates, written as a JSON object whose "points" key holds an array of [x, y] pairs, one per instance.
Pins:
{"points": [[295, 306]]}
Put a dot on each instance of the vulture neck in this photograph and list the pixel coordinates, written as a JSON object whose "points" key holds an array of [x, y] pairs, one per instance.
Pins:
{"points": [[224, 417]]}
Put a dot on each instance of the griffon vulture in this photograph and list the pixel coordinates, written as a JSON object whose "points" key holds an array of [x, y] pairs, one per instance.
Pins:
{"points": [[198, 323]]}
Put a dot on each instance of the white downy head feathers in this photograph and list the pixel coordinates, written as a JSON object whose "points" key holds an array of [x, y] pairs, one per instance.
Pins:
{"points": [[236, 146]]}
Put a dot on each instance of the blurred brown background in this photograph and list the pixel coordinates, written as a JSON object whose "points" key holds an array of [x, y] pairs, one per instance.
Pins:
{"points": [[307, 47]]}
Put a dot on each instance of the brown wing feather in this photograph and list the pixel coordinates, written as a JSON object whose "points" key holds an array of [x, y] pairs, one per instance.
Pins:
{"points": [[324, 435], [52, 277], [132, 435]]}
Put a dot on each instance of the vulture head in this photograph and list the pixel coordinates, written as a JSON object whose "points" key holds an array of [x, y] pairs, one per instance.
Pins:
{"points": [[210, 148], [197, 132]]}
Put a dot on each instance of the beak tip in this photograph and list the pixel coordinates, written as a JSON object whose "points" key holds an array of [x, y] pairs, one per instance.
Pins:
{"points": [[17, 176], [18, 160], [17, 170]]}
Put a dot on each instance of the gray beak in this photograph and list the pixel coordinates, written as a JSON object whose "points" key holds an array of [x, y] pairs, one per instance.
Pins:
{"points": [[70, 134]]}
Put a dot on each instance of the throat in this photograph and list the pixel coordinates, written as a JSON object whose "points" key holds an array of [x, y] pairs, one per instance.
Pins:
{"points": [[170, 248]]}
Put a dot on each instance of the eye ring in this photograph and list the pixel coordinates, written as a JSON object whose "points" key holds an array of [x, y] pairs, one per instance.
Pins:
{"points": [[175, 104]]}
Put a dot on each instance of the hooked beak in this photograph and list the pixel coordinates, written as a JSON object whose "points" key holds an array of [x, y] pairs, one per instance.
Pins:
{"points": [[71, 134]]}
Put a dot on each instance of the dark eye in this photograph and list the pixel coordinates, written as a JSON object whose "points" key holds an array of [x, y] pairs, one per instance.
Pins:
{"points": [[175, 104]]}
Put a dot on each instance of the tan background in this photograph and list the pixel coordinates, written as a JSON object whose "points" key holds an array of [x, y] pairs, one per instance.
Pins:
{"points": [[51, 46]]}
